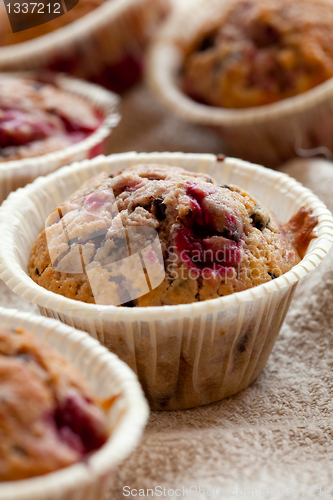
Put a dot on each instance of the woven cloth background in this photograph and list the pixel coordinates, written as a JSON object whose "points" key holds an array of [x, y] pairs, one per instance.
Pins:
{"points": [[278, 433]]}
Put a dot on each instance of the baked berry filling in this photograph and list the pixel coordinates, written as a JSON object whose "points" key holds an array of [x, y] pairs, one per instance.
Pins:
{"points": [[199, 253], [41, 118], [199, 216], [202, 221], [200, 244], [74, 126], [50, 418], [18, 128], [79, 425]]}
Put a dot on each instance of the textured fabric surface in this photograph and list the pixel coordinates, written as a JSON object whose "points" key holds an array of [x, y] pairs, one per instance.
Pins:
{"points": [[277, 433]]}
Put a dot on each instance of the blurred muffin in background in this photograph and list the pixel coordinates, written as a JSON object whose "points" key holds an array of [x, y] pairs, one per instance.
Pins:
{"points": [[50, 417], [106, 46], [259, 52], [38, 21], [47, 121], [38, 118]]}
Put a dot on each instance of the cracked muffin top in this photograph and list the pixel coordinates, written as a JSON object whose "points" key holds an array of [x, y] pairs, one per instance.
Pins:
{"points": [[49, 416], [26, 20], [258, 52], [156, 235], [38, 118]]}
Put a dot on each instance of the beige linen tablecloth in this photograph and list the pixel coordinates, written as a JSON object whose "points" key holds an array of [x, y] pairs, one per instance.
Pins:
{"points": [[278, 433]]}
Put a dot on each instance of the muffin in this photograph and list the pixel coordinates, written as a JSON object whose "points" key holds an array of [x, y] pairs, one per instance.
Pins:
{"points": [[50, 417], [99, 40], [48, 121], [198, 240], [37, 118], [256, 72], [37, 22], [260, 52], [188, 354]]}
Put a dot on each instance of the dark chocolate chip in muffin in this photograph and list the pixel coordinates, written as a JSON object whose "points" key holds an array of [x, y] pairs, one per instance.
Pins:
{"points": [[24, 356], [206, 43], [160, 209], [38, 86], [235, 236], [264, 34], [260, 218], [18, 450]]}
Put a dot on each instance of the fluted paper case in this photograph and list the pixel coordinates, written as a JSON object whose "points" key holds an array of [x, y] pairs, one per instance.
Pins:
{"points": [[184, 355]]}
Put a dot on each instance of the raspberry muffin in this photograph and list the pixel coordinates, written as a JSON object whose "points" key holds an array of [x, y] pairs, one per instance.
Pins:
{"points": [[50, 417], [40, 16], [260, 52], [145, 220], [98, 40], [198, 240], [37, 118]]}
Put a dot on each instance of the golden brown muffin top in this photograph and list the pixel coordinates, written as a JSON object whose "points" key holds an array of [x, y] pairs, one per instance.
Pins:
{"points": [[258, 52], [196, 240], [7, 37], [50, 417]]}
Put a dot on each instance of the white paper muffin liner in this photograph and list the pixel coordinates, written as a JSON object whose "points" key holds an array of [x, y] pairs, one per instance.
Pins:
{"points": [[127, 417], [269, 135], [184, 355], [115, 32], [18, 173]]}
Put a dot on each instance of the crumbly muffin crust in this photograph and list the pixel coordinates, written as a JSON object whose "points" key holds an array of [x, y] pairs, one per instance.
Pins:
{"points": [[215, 240], [38, 118], [49, 416], [259, 52]]}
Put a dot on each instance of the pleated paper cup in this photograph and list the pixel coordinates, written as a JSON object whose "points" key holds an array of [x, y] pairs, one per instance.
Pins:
{"points": [[18, 173], [127, 417], [105, 46], [270, 134], [184, 355]]}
